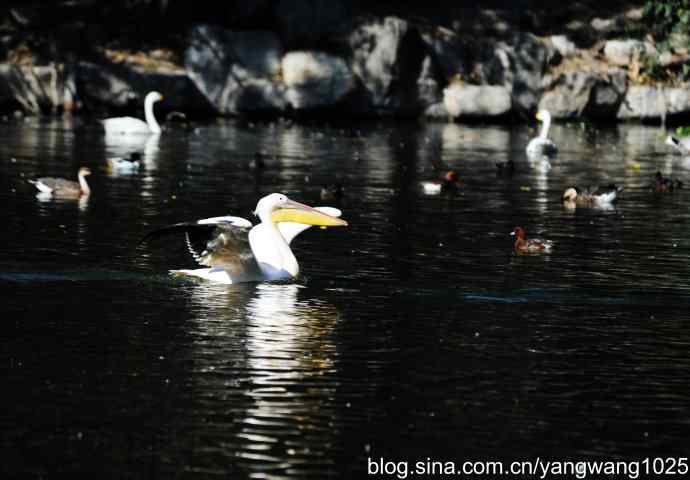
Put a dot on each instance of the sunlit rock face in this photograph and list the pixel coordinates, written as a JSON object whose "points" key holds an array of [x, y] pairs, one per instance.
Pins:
{"points": [[573, 94], [113, 85], [652, 102], [622, 52], [518, 63], [393, 66], [315, 79], [476, 100], [237, 72]]}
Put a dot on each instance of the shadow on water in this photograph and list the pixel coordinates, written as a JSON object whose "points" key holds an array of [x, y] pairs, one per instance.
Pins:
{"points": [[415, 332]]}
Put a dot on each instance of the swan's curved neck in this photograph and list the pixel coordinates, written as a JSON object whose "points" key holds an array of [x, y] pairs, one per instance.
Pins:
{"points": [[150, 117], [544, 133], [286, 257], [85, 190]]}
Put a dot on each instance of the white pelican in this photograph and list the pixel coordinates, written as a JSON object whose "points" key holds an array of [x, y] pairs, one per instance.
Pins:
{"points": [[541, 144], [680, 144], [60, 187], [134, 126], [235, 251]]}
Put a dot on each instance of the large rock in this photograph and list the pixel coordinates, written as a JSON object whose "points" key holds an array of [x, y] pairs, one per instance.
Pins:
{"points": [[450, 51], [35, 88], [462, 100], [622, 52], [519, 64], [563, 45], [607, 94], [575, 94], [393, 65], [315, 79], [119, 85], [644, 102], [238, 72], [568, 95]]}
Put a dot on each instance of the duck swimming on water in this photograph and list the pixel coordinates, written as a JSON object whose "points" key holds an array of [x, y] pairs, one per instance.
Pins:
{"points": [[60, 187], [506, 168], [445, 184], [125, 165], [594, 196], [332, 191], [532, 245], [664, 184], [236, 251]]}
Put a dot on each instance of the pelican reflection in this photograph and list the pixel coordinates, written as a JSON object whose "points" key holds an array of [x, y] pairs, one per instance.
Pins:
{"points": [[269, 349]]}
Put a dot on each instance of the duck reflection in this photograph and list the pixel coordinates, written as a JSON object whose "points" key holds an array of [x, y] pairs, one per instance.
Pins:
{"points": [[273, 362], [44, 197]]}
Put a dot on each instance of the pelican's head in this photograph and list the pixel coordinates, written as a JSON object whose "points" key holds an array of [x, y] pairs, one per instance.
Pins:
{"points": [[83, 171], [543, 115], [570, 194], [277, 207]]}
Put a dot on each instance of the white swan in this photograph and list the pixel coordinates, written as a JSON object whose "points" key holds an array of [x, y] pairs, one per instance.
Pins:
{"points": [[542, 145], [135, 126]]}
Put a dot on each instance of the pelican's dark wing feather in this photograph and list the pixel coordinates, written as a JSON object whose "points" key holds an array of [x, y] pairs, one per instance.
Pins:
{"points": [[217, 243]]}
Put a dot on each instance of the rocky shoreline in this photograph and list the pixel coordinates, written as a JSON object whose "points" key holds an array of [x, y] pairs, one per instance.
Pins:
{"points": [[374, 66]]}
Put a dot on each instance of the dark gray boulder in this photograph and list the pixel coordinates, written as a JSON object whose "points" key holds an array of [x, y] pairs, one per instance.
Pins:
{"points": [[393, 66], [315, 79], [237, 72]]}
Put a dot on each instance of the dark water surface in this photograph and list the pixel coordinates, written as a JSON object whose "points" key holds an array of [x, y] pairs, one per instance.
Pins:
{"points": [[415, 332]]}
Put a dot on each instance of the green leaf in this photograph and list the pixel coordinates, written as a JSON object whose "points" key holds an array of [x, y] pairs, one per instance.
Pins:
{"points": [[683, 131]]}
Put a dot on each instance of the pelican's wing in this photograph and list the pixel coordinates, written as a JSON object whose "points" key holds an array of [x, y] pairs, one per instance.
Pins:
{"points": [[219, 242], [289, 230]]}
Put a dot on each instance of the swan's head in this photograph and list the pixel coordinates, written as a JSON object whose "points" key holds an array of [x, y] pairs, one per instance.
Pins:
{"points": [[153, 97], [83, 171], [518, 232], [570, 194], [277, 207], [543, 115]]}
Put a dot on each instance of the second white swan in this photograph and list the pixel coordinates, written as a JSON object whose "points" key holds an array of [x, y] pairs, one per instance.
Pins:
{"points": [[135, 126]]}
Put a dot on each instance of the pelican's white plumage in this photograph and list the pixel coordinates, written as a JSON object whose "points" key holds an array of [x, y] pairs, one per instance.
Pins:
{"points": [[541, 145], [135, 126], [235, 251]]}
